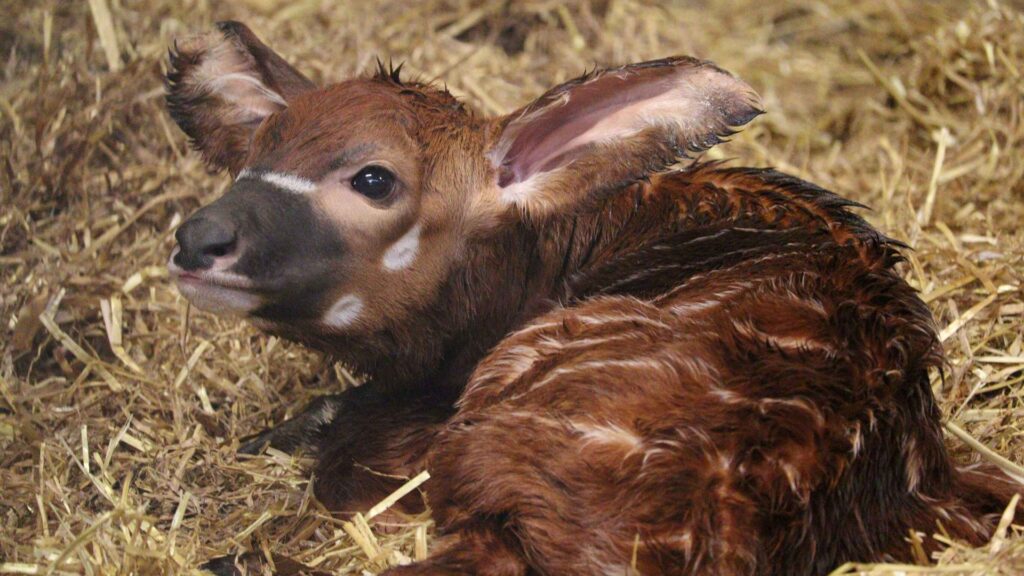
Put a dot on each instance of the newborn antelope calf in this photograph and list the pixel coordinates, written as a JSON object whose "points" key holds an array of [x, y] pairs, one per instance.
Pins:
{"points": [[611, 357]]}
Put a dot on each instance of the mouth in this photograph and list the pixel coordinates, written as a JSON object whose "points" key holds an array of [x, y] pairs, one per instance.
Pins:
{"points": [[216, 291]]}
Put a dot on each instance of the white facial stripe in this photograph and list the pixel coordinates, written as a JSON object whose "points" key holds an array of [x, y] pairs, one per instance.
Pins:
{"points": [[287, 182], [344, 312], [402, 253]]}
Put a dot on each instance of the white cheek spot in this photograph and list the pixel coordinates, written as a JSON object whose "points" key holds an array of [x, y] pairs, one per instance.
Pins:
{"points": [[344, 312], [402, 253], [287, 182]]}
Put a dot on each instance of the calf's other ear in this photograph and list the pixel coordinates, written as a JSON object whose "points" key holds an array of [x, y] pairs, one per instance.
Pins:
{"points": [[610, 127], [222, 85]]}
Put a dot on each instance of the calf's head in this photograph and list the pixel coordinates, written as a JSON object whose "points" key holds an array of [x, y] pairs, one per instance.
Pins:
{"points": [[352, 204]]}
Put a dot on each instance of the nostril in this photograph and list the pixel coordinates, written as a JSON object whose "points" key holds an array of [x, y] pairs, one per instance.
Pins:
{"points": [[220, 250], [201, 241]]}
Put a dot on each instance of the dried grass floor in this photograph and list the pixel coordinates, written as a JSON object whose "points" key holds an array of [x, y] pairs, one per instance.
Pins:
{"points": [[119, 413]]}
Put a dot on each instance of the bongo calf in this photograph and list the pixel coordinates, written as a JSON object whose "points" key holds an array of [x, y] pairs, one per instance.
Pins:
{"points": [[602, 349]]}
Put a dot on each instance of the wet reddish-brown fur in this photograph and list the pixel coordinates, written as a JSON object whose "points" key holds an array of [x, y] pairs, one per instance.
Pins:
{"points": [[714, 370], [739, 386]]}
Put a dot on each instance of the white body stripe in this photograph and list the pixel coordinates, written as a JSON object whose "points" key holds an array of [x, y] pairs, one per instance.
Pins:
{"points": [[402, 253], [287, 182], [344, 312]]}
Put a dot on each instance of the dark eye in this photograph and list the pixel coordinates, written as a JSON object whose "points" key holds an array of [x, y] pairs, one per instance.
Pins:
{"points": [[374, 182]]}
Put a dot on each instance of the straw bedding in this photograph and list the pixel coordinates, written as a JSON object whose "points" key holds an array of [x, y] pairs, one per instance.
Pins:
{"points": [[120, 408]]}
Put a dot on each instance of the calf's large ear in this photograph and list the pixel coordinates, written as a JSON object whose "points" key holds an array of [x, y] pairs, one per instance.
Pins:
{"points": [[222, 85], [610, 127]]}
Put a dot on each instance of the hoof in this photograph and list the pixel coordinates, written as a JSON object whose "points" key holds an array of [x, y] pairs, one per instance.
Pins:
{"points": [[254, 445], [252, 563], [225, 566], [302, 432]]}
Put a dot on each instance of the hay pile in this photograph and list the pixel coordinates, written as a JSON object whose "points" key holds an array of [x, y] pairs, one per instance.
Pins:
{"points": [[119, 413]]}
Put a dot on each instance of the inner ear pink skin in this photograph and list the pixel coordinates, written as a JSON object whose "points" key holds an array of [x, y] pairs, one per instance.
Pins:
{"points": [[252, 99], [272, 70], [694, 103], [569, 122], [221, 85]]}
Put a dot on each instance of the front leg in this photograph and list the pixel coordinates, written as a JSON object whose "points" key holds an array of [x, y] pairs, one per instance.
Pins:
{"points": [[376, 442], [367, 444], [304, 431]]}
